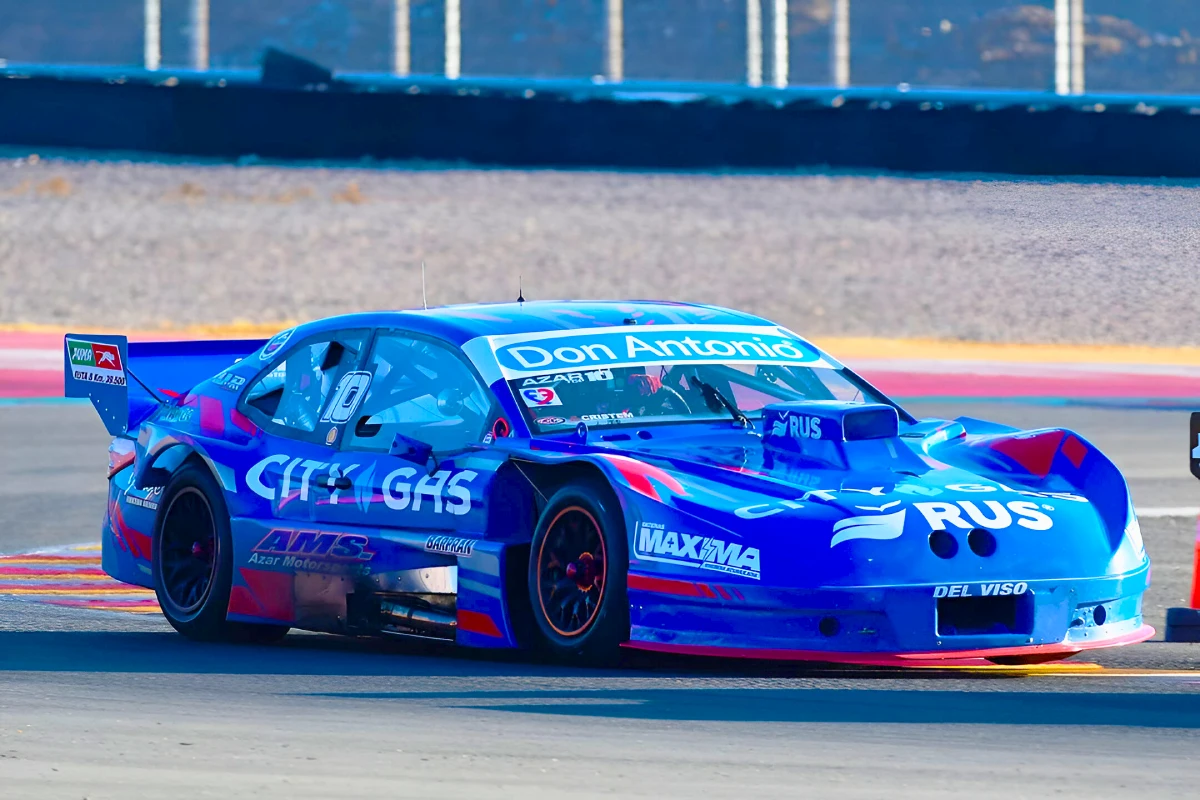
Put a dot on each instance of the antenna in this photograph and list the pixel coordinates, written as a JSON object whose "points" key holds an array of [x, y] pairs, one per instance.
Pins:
{"points": [[520, 290], [424, 304]]}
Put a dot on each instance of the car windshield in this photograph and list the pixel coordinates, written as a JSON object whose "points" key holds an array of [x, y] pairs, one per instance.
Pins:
{"points": [[618, 376], [636, 395]]}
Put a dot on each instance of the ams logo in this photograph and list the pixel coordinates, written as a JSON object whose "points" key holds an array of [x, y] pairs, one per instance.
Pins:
{"points": [[314, 544]]}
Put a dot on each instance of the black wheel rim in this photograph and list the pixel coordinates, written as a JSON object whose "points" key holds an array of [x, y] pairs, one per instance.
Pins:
{"points": [[189, 551], [572, 568]]}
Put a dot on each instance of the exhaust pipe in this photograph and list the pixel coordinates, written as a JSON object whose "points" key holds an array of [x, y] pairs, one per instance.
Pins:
{"points": [[399, 617]]}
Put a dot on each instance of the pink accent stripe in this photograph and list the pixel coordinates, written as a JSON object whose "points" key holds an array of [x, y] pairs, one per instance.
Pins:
{"points": [[650, 583], [50, 558], [947, 658], [41, 340], [30, 383], [50, 569], [142, 603], [12, 340], [1082, 385], [97, 587]]}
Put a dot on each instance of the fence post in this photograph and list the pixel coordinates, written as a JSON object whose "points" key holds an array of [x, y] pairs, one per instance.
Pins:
{"points": [[614, 69], [841, 43], [1077, 42], [1062, 46], [779, 24], [453, 39], [401, 39], [199, 34], [152, 34], [754, 43]]}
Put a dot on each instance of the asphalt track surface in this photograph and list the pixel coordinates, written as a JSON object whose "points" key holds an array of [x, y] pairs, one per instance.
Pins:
{"points": [[102, 705]]}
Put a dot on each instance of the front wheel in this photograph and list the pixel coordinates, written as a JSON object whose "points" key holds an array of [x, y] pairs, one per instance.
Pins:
{"points": [[578, 567], [192, 561]]}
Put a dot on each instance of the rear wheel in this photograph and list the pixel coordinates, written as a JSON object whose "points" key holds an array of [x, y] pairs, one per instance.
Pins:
{"points": [[577, 575], [192, 561]]}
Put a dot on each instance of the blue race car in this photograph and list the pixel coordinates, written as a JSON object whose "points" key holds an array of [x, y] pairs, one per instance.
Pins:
{"points": [[580, 477]]}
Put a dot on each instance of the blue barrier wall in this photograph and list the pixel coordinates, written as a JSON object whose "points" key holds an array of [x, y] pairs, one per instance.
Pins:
{"points": [[1131, 45], [582, 124]]}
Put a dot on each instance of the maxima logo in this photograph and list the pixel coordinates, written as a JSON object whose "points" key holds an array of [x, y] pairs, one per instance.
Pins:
{"points": [[655, 543]]}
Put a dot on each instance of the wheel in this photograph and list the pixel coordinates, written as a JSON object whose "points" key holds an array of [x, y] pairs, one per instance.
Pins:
{"points": [[578, 567], [192, 561]]}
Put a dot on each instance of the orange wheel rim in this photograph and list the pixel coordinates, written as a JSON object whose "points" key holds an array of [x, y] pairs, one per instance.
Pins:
{"points": [[572, 567]]}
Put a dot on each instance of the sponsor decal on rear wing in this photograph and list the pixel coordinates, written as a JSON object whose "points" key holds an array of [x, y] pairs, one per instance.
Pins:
{"points": [[94, 367], [95, 362], [518, 355]]}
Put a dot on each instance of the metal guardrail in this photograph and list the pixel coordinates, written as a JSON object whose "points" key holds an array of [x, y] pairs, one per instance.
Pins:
{"points": [[1069, 72]]}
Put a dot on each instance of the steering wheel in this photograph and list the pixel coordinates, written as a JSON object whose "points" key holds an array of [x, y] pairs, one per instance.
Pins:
{"points": [[678, 404]]}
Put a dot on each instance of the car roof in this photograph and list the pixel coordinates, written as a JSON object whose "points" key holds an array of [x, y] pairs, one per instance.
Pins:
{"points": [[461, 323]]}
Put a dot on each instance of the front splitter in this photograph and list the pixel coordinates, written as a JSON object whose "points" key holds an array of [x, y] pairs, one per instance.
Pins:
{"points": [[1031, 654]]}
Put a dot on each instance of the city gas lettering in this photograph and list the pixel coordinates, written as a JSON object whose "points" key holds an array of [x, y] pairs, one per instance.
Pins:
{"points": [[445, 491]]}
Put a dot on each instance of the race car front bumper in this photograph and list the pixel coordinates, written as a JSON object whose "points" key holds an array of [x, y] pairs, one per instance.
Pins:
{"points": [[889, 625]]}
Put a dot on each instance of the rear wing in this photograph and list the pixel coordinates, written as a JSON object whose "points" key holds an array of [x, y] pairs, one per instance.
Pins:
{"points": [[126, 380]]}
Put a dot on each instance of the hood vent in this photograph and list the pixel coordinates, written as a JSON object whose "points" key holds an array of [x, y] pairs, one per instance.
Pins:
{"points": [[820, 431]]}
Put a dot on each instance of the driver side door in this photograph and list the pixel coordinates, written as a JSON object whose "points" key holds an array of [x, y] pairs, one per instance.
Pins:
{"points": [[422, 391]]}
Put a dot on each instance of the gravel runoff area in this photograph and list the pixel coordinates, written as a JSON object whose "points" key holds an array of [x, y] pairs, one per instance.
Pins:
{"points": [[145, 244]]}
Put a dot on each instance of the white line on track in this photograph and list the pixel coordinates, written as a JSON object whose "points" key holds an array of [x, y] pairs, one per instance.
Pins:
{"points": [[1162, 512], [30, 359]]}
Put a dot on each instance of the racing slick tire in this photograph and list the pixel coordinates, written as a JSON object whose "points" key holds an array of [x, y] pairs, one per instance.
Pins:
{"points": [[192, 561], [578, 568]]}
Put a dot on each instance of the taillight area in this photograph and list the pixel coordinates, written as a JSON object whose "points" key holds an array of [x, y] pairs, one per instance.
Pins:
{"points": [[120, 455]]}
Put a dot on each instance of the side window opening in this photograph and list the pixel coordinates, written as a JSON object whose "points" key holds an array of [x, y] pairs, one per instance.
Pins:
{"points": [[422, 390], [293, 393]]}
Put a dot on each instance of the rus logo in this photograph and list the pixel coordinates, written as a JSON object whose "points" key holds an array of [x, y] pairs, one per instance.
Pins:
{"points": [[797, 426]]}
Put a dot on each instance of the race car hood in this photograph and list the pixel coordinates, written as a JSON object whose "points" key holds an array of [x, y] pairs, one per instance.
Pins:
{"points": [[926, 502]]}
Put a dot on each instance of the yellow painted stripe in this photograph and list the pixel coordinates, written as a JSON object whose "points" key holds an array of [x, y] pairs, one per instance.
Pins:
{"points": [[1130, 672], [56, 576], [1082, 667], [216, 330], [123, 609], [86, 548], [78, 592], [845, 347], [849, 348]]}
